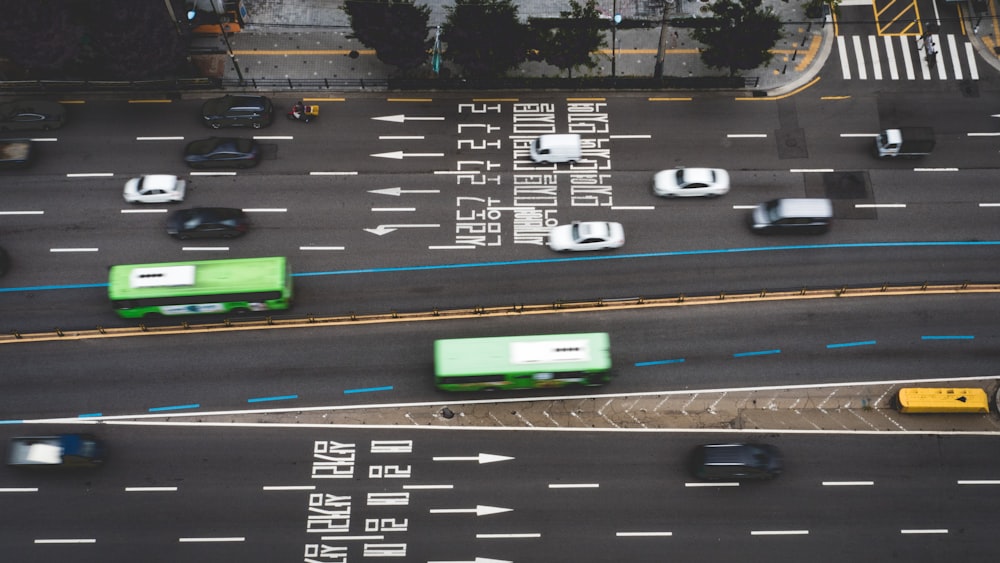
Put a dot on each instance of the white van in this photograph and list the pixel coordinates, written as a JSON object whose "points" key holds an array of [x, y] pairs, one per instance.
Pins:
{"points": [[556, 148], [792, 215]]}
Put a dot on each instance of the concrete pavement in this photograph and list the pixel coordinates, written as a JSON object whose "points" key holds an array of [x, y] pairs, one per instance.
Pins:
{"points": [[295, 44]]}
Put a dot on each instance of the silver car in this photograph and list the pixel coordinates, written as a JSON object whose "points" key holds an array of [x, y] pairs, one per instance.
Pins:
{"points": [[586, 235]]}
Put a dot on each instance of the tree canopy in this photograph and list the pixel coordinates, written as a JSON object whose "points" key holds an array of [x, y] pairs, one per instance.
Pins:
{"points": [[740, 36], [485, 37], [93, 39], [573, 42], [396, 29]]}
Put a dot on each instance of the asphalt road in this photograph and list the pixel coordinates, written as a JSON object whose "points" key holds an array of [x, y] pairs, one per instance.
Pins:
{"points": [[314, 199], [703, 347], [205, 493]]}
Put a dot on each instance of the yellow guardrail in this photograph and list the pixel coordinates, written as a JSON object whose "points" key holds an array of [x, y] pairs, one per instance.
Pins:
{"points": [[313, 321]]}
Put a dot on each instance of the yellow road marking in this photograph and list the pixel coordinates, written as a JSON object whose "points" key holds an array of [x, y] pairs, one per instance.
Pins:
{"points": [[781, 97]]}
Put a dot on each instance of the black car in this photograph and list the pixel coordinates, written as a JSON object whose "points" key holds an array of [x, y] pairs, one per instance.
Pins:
{"points": [[26, 115], [238, 111], [222, 152], [207, 222], [736, 461]]}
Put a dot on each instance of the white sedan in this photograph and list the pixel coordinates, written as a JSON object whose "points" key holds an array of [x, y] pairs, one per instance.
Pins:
{"points": [[691, 182], [154, 188], [586, 235]]}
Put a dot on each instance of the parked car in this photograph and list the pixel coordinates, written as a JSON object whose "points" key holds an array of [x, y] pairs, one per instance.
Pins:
{"points": [[207, 222], [154, 188], [586, 235], [691, 182], [238, 111], [736, 461], [222, 152], [26, 115]]}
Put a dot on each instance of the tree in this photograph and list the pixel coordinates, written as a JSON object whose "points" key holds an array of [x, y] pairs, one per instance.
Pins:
{"points": [[485, 37], [396, 29], [740, 37], [577, 37]]}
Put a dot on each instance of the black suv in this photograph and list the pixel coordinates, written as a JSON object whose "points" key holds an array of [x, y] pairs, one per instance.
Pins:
{"points": [[238, 111]]}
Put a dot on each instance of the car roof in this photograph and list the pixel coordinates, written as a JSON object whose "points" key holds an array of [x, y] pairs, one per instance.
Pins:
{"points": [[702, 175]]}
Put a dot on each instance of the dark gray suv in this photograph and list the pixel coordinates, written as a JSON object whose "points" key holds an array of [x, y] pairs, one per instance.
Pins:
{"points": [[238, 111]]}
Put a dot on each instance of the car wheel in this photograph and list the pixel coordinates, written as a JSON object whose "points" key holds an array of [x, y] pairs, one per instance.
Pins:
{"points": [[711, 196], [182, 236], [255, 125], [216, 125]]}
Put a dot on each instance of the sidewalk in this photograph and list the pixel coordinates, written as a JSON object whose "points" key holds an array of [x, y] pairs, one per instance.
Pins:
{"points": [[306, 40]]}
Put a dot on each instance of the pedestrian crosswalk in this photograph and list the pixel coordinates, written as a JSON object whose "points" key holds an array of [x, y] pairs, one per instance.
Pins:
{"points": [[902, 57]]}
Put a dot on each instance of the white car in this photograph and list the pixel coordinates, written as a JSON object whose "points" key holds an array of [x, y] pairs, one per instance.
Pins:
{"points": [[691, 182], [586, 235], [154, 188]]}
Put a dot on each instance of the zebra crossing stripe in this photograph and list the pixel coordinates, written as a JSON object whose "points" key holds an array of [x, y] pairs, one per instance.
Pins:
{"points": [[939, 59], [860, 56], [955, 62], [907, 59], [876, 62], [893, 72], [970, 56], [845, 68]]}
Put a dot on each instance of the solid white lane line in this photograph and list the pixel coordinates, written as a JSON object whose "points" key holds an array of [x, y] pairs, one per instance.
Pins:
{"points": [[631, 136], [746, 136], [632, 207], [207, 540], [22, 212], [18, 489], [289, 487], [273, 137], [848, 483], [159, 138], [91, 175], [574, 485], [333, 173], [150, 489], [264, 209], [719, 484], [878, 205], [506, 536], [779, 532], [208, 248], [321, 248], [427, 487], [979, 481], [220, 173], [68, 540], [143, 211], [643, 534], [925, 531], [92, 249]]}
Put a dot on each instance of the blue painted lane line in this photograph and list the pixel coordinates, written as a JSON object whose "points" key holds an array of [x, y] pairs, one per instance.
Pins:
{"points": [[659, 362], [948, 337], [20, 421], [277, 398], [757, 353], [175, 408], [850, 344], [90, 415], [367, 390]]}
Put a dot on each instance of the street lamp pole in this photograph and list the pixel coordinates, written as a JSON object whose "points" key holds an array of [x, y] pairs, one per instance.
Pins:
{"points": [[615, 18]]}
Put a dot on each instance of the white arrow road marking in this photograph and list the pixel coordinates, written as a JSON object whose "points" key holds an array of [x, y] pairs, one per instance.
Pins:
{"points": [[401, 118], [400, 191], [399, 155], [479, 510], [481, 458], [385, 229]]}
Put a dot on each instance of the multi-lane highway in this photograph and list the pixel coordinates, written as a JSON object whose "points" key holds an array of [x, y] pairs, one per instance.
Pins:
{"points": [[397, 214], [312, 494], [430, 201]]}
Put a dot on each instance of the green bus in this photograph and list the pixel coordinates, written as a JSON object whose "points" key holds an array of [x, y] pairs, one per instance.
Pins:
{"points": [[522, 362], [205, 286]]}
